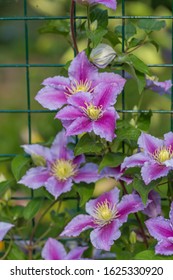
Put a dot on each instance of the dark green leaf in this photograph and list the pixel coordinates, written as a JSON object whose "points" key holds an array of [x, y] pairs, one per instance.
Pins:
{"points": [[32, 208], [150, 255], [144, 120], [4, 186], [134, 42], [151, 24], [100, 15], [19, 166], [139, 65], [112, 38], [17, 211], [129, 30], [128, 134], [87, 144], [85, 192], [16, 253], [111, 160], [96, 36]]}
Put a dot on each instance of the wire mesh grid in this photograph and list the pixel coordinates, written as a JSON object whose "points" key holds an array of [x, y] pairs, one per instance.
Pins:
{"points": [[25, 19]]}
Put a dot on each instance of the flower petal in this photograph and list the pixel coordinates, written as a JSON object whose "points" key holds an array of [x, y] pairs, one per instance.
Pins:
{"points": [[164, 247], [57, 82], [104, 95], [59, 147], [80, 99], [153, 209], [77, 225], [111, 197], [88, 173], [153, 171], [168, 140], [56, 187], [103, 238], [159, 228], [79, 160], [36, 149], [116, 173], [130, 203], [171, 214], [68, 113], [76, 253], [149, 143], [4, 228], [81, 69], [135, 160], [53, 250], [51, 98], [35, 177], [78, 126], [105, 125]]}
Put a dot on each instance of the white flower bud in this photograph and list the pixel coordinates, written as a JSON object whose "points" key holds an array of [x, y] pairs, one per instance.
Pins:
{"points": [[102, 55]]}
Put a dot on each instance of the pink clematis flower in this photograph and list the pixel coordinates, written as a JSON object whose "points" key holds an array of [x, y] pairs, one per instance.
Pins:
{"points": [[87, 112], [83, 77], [156, 158], [54, 250], [162, 230], [159, 87], [58, 168], [106, 216], [4, 228], [108, 3]]}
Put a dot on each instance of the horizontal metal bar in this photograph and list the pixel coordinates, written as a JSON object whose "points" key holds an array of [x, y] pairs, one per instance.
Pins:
{"points": [[27, 111], [80, 17]]}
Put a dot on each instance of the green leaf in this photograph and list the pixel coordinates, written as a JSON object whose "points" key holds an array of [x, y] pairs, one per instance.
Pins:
{"points": [[87, 144], [129, 30], [100, 15], [19, 166], [128, 134], [144, 120], [5, 185], [96, 36], [150, 255], [17, 211], [111, 160], [55, 26], [139, 65], [143, 189], [85, 192], [134, 42], [155, 44], [16, 253], [32, 208], [151, 24], [112, 38]]}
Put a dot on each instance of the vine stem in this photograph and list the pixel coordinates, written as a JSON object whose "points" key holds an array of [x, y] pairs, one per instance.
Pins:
{"points": [[72, 27], [30, 247], [137, 218]]}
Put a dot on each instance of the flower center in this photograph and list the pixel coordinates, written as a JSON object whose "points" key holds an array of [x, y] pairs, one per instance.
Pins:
{"points": [[162, 154], [76, 86], [93, 112], [63, 169], [105, 213]]}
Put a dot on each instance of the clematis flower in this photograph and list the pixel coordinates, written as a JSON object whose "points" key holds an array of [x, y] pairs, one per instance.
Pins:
{"points": [[87, 112], [156, 158], [106, 216], [54, 250], [162, 230], [83, 77], [153, 208], [61, 168], [116, 173], [108, 3], [4, 228], [159, 87]]}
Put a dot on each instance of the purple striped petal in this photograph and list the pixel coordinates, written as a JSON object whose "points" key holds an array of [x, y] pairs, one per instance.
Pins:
{"points": [[108, 3], [168, 140], [104, 95], [153, 171], [164, 247], [36, 149], [57, 82], [78, 126], [76, 253], [149, 143], [130, 203], [115, 173], [69, 113], [35, 177], [135, 160], [59, 147], [105, 126], [81, 69], [56, 187], [171, 215], [4, 228], [103, 238], [88, 173], [77, 225], [53, 250], [159, 228], [79, 160], [112, 197], [80, 99], [51, 98], [153, 209]]}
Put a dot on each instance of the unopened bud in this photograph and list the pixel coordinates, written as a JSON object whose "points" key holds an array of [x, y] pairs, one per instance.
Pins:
{"points": [[38, 160], [93, 26], [132, 237], [102, 55]]}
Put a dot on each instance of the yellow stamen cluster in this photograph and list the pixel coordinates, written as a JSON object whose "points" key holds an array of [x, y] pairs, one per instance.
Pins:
{"points": [[63, 169], [76, 86], [162, 154], [93, 112], [105, 213]]}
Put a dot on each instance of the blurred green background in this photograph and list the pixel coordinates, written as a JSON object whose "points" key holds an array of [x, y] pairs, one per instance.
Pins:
{"points": [[53, 48]]}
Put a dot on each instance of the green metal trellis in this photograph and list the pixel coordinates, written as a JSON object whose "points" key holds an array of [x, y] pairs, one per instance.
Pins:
{"points": [[27, 66]]}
